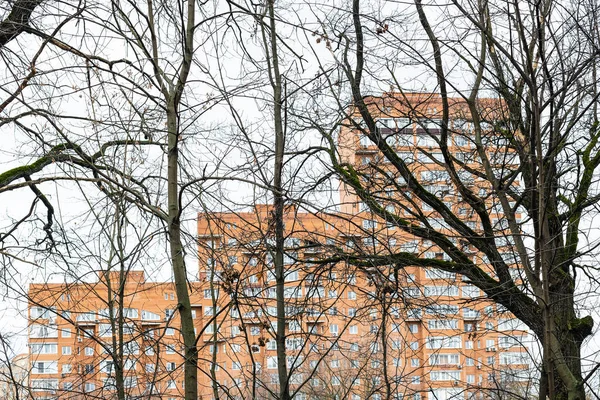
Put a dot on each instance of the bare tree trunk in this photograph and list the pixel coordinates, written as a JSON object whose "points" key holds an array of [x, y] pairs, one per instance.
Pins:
{"points": [[278, 201], [173, 99], [115, 299], [17, 20], [190, 352]]}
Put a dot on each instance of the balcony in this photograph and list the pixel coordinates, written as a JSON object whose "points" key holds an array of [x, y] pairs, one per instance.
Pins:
{"points": [[414, 315], [469, 314]]}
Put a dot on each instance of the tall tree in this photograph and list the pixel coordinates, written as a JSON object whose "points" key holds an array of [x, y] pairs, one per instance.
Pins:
{"points": [[529, 119]]}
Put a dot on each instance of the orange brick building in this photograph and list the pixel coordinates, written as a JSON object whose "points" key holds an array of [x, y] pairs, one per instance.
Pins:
{"points": [[79, 334], [353, 330]]}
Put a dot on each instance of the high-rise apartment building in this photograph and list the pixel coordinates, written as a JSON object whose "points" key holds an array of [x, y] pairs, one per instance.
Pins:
{"points": [[354, 329]]}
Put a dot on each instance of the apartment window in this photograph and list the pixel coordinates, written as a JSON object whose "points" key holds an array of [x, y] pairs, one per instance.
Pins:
{"points": [[352, 312], [294, 326], [130, 313], [415, 380], [47, 367], [335, 381], [209, 311], [131, 348], [171, 366], [335, 363], [470, 291], [470, 362], [129, 364], [364, 140], [68, 386], [512, 358], [66, 332], [414, 345], [442, 375], [413, 328], [43, 331], [254, 330], [271, 344], [66, 350], [107, 367], [150, 368], [333, 329], [353, 330], [169, 332], [468, 344], [209, 330], [290, 258], [89, 351], [369, 224], [236, 365], [354, 347], [90, 387], [171, 384], [41, 312], [43, 348], [271, 362], [414, 362], [351, 279], [66, 368], [104, 330], [444, 359], [442, 324], [509, 341], [374, 347], [170, 349], [510, 324], [443, 342], [441, 290]]}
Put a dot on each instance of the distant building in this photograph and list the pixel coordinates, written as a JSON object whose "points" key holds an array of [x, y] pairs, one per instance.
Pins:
{"points": [[353, 330], [14, 378]]}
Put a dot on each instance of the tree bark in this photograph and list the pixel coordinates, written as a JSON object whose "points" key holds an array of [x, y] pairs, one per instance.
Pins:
{"points": [[278, 201], [17, 20]]}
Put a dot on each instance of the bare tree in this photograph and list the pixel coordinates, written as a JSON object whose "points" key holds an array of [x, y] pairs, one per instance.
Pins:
{"points": [[520, 195]]}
